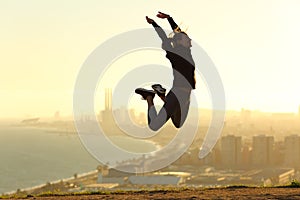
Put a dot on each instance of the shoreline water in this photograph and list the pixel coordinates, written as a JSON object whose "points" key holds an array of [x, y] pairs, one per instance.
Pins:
{"points": [[33, 157], [72, 178]]}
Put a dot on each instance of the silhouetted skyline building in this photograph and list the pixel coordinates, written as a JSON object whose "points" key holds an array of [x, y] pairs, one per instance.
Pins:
{"points": [[292, 151], [231, 151], [262, 150], [106, 116]]}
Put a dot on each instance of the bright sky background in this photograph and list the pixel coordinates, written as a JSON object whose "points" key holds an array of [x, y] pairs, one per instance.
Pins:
{"points": [[254, 44]]}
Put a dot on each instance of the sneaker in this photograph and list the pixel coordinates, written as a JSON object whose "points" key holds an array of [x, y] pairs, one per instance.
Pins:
{"points": [[159, 90], [145, 93]]}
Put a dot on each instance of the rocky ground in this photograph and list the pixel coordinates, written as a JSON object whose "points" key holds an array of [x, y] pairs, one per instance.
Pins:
{"points": [[214, 193]]}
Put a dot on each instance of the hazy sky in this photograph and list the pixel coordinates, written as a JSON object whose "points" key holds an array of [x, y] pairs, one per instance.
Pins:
{"points": [[254, 44]]}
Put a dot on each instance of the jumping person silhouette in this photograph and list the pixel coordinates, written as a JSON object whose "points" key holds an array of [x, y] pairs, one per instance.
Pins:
{"points": [[177, 101]]}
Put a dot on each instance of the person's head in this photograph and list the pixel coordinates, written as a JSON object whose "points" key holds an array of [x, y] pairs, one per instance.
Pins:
{"points": [[181, 39]]}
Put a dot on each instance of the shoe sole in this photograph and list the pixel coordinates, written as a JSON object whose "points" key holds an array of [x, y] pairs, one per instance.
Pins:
{"points": [[159, 89], [144, 93]]}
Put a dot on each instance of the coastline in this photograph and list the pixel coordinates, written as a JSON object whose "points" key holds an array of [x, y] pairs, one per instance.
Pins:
{"points": [[38, 187], [34, 148]]}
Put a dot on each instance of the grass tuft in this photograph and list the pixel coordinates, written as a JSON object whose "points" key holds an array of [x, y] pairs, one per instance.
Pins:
{"points": [[293, 184]]}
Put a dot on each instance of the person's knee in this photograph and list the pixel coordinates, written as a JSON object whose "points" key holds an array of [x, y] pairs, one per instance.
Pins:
{"points": [[154, 127], [178, 125]]}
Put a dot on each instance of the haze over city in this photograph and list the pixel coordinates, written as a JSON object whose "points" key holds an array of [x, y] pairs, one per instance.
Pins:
{"points": [[254, 46], [48, 146]]}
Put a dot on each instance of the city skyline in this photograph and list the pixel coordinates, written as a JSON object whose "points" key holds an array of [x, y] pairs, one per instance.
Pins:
{"points": [[263, 151], [253, 44]]}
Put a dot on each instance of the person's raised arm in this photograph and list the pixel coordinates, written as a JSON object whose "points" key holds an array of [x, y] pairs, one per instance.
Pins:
{"points": [[161, 33], [173, 24]]}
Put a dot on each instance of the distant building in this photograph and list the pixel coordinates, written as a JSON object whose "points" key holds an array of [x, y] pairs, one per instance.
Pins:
{"points": [[292, 151], [108, 99], [262, 151], [106, 116], [107, 112], [231, 151], [31, 121], [154, 180], [158, 178]]}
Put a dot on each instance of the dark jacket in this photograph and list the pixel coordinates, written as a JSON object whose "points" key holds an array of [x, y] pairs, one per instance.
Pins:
{"points": [[180, 57]]}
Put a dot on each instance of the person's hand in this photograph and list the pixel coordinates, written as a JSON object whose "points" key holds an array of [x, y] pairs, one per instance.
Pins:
{"points": [[162, 15], [149, 20]]}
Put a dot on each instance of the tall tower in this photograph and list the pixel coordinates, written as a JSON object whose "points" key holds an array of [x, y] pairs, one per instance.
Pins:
{"points": [[262, 150], [292, 151], [106, 116], [231, 151], [108, 99]]}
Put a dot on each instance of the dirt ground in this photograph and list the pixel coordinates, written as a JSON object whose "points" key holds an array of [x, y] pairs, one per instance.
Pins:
{"points": [[215, 193]]}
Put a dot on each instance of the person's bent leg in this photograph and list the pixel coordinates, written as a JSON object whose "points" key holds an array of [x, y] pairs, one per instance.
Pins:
{"points": [[180, 115], [182, 107], [151, 109], [156, 121]]}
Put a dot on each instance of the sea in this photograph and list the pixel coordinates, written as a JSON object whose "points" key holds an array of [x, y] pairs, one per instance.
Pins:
{"points": [[31, 156]]}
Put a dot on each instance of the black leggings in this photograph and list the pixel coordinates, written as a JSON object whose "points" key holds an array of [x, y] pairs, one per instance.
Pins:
{"points": [[176, 107]]}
